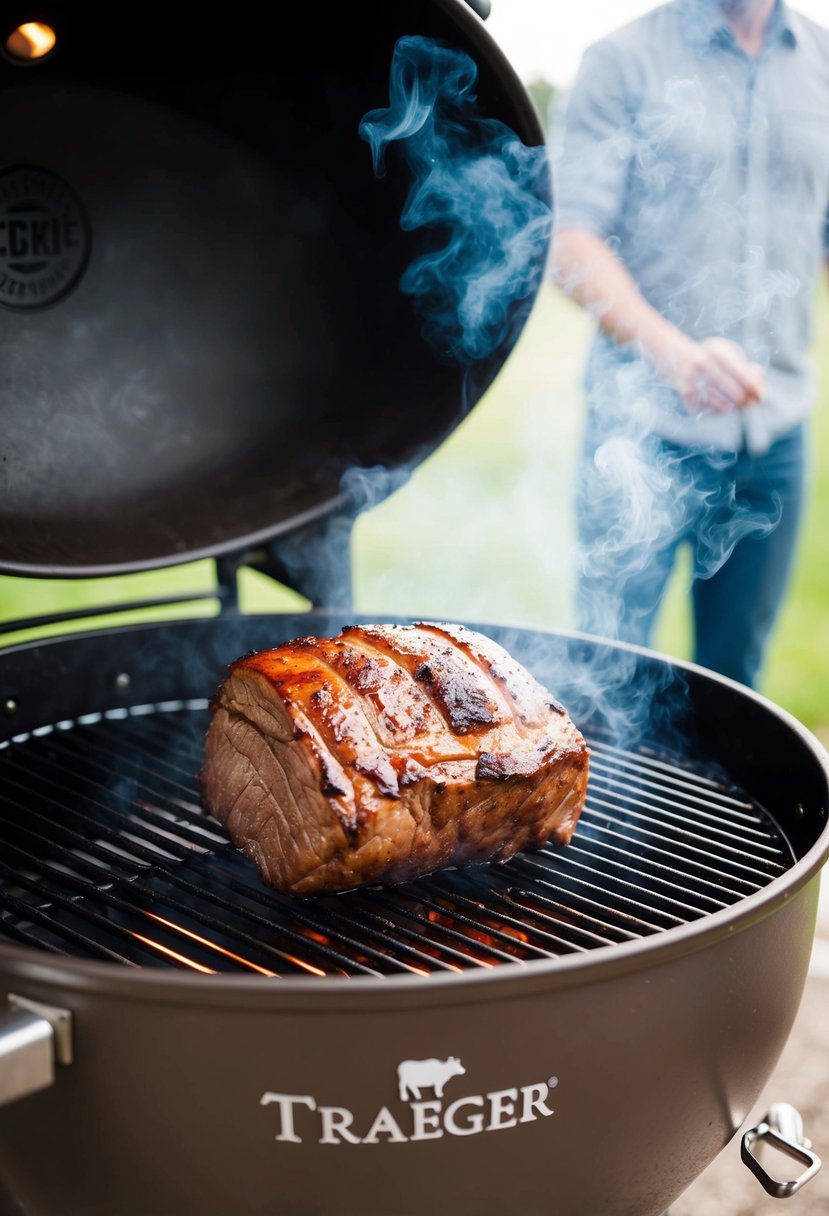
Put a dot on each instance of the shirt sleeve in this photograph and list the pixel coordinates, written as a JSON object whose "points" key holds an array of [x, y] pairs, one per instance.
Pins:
{"points": [[591, 144]]}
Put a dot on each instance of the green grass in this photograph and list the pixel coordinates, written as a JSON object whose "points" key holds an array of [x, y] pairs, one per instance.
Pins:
{"points": [[482, 530]]}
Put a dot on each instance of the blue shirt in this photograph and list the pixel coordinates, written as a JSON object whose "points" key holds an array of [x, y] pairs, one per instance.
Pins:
{"points": [[707, 171]]}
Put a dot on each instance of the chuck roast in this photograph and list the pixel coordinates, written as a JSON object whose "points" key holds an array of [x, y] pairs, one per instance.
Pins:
{"points": [[385, 753]]}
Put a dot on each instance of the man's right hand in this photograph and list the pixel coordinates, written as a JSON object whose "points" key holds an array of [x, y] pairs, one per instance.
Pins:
{"points": [[713, 375]]}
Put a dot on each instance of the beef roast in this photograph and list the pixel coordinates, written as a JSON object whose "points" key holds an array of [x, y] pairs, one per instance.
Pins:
{"points": [[385, 753]]}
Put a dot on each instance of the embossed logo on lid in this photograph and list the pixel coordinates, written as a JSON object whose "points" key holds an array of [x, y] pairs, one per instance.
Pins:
{"points": [[44, 237]]}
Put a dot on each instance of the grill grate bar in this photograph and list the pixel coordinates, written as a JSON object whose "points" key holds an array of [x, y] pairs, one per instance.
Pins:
{"points": [[558, 918], [623, 898], [504, 911], [701, 885], [193, 830], [673, 795], [661, 810], [103, 853], [38, 914], [329, 923], [118, 860], [698, 851], [105, 822], [406, 906], [100, 872], [130, 791], [715, 789]]}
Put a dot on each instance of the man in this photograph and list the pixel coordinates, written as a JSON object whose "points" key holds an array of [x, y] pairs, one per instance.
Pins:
{"points": [[692, 194]]}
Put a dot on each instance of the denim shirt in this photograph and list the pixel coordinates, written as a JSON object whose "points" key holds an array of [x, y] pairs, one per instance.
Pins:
{"points": [[707, 172]]}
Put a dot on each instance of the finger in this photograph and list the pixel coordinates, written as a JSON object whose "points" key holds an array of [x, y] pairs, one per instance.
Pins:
{"points": [[719, 402], [718, 389], [708, 398], [759, 381], [748, 377]]}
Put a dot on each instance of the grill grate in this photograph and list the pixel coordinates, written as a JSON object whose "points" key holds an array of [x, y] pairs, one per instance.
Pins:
{"points": [[106, 854]]}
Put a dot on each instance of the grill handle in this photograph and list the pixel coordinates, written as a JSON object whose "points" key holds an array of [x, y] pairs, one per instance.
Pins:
{"points": [[783, 1129], [33, 1037]]}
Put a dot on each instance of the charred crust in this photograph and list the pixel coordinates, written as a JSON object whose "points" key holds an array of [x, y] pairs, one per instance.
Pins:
{"points": [[330, 788], [424, 673], [491, 767]]}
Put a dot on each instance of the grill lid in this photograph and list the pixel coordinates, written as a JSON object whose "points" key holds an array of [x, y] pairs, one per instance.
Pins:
{"points": [[202, 322]]}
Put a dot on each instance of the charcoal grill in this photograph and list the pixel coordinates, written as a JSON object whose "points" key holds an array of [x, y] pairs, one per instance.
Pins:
{"points": [[108, 855], [624, 977], [576, 1031]]}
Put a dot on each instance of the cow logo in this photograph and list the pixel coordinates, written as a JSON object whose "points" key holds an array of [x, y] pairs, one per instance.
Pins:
{"points": [[415, 1075], [300, 1116], [44, 237]]}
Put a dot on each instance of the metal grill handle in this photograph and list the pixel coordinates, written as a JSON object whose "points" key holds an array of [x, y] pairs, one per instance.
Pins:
{"points": [[783, 1129], [33, 1037]]}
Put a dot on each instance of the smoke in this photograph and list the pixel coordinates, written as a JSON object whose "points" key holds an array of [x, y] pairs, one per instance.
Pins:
{"points": [[476, 195], [476, 188]]}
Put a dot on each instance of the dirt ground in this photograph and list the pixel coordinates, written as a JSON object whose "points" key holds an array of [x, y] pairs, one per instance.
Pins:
{"points": [[727, 1187]]}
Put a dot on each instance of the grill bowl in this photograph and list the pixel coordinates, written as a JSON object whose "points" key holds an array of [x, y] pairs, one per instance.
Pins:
{"points": [[649, 1051]]}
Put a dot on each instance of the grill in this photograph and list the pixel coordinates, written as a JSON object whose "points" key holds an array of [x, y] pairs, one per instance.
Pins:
{"points": [[215, 358], [625, 973], [108, 855]]}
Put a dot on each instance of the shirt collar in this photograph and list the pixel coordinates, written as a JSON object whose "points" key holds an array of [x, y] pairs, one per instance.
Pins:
{"points": [[705, 24]]}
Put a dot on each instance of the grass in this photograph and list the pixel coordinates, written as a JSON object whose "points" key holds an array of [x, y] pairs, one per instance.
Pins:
{"points": [[482, 530]]}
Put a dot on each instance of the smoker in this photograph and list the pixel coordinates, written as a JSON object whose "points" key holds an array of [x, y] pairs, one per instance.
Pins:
{"points": [[207, 334]]}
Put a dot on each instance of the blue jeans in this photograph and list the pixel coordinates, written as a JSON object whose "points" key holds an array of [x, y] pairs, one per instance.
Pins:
{"points": [[637, 503]]}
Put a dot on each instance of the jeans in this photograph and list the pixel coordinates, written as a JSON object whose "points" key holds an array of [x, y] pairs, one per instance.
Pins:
{"points": [[638, 502]]}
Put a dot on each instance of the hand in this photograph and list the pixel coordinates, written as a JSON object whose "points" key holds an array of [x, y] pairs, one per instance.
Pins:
{"points": [[713, 376]]}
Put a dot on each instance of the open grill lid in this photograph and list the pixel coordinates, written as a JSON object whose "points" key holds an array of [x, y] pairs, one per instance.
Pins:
{"points": [[202, 324]]}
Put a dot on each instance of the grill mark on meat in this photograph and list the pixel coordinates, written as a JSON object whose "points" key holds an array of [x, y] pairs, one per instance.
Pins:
{"points": [[527, 698], [325, 709], [409, 727], [451, 680], [398, 708]]}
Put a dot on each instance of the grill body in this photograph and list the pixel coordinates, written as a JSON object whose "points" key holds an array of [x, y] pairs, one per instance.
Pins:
{"points": [[595, 1080]]}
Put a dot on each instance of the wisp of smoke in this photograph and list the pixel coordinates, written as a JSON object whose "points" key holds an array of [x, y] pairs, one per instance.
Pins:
{"points": [[476, 187]]}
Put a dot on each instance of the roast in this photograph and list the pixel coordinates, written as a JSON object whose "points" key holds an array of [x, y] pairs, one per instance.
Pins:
{"points": [[385, 753]]}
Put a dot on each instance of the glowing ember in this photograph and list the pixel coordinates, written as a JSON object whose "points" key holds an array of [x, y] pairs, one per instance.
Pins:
{"points": [[205, 941]]}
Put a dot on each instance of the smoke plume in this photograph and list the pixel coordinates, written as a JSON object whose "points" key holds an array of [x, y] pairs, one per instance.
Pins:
{"points": [[475, 187]]}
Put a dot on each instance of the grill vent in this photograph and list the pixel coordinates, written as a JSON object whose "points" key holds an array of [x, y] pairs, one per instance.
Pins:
{"points": [[106, 854]]}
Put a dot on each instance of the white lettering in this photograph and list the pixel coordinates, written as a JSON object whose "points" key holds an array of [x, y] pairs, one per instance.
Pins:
{"points": [[475, 1122], [534, 1096], [426, 1116], [384, 1124], [502, 1109], [286, 1103], [336, 1121], [427, 1120]]}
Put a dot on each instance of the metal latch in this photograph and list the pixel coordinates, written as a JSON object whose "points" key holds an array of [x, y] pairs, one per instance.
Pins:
{"points": [[782, 1128], [33, 1037]]}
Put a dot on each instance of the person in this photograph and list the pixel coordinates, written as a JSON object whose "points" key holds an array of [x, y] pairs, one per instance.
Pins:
{"points": [[691, 177]]}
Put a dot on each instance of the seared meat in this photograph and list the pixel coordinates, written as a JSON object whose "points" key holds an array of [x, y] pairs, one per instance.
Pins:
{"points": [[385, 753]]}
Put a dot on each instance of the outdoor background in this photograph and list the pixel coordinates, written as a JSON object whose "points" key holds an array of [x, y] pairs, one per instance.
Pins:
{"points": [[482, 532], [483, 529]]}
